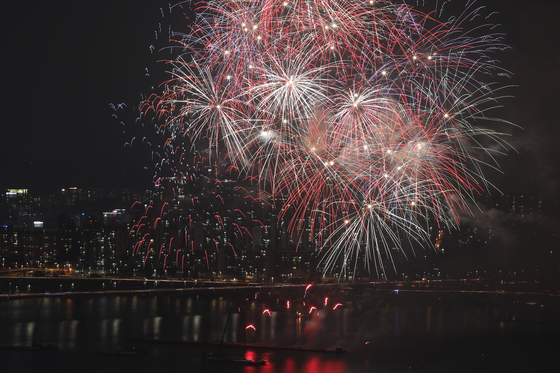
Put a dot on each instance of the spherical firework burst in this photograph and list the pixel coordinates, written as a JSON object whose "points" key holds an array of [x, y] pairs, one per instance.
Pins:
{"points": [[367, 117]]}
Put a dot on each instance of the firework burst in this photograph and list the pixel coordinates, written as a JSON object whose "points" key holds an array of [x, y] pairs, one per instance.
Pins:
{"points": [[367, 118]]}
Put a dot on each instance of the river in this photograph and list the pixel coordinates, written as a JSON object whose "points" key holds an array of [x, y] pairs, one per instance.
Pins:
{"points": [[381, 332]]}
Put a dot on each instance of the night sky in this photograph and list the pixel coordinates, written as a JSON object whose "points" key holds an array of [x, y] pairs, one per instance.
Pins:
{"points": [[66, 62]]}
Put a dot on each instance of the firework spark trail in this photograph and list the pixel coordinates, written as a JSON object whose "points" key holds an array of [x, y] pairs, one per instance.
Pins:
{"points": [[187, 210], [365, 117]]}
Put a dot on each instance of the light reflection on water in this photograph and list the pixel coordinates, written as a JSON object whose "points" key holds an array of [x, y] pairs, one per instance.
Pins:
{"points": [[196, 328], [23, 332], [67, 332], [380, 336]]}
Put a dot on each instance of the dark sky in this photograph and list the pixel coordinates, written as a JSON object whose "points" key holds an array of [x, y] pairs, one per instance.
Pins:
{"points": [[65, 62], [68, 61]]}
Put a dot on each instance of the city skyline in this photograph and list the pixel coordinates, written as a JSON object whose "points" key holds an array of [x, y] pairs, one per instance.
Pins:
{"points": [[516, 242]]}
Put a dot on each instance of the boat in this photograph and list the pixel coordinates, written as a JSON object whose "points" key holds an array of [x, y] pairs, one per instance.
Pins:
{"points": [[337, 350], [230, 360], [35, 346], [134, 351]]}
